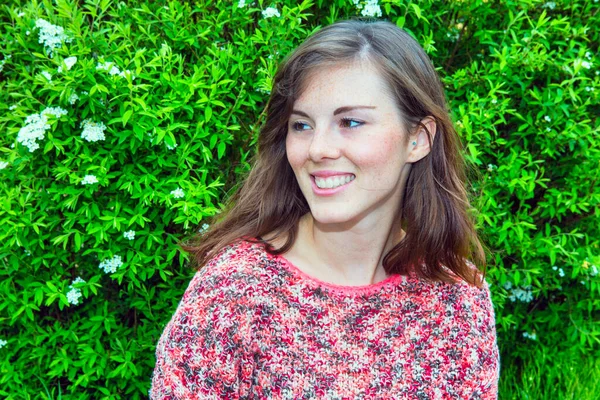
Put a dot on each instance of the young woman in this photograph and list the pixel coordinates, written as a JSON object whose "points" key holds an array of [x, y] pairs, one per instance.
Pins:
{"points": [[343, 268]]}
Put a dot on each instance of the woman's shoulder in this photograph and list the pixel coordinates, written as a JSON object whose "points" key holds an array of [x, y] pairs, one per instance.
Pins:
{"points": [[232, 270]]}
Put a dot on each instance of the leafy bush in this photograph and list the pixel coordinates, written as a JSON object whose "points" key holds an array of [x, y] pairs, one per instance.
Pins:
{"points": [[125, 124]]}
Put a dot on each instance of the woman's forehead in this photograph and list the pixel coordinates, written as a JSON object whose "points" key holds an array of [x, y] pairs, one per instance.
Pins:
{"points": [[339, 85]]}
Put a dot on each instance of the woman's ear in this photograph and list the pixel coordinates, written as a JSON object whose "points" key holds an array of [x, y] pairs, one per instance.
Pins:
{"points": [[418, 144]]}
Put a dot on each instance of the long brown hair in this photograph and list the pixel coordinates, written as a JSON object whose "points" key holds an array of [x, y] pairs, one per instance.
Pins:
{"points": [[440, 234]]}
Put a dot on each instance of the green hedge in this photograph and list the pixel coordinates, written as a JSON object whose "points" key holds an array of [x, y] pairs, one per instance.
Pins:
{"points": [[125, 124]]}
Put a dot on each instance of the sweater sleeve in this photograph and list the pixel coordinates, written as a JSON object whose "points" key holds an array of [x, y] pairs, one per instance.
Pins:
{"points": [[480, 354], [203, 352]]}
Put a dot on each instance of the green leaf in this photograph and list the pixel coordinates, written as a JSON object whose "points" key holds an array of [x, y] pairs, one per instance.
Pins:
{"points": [[126, 116]]}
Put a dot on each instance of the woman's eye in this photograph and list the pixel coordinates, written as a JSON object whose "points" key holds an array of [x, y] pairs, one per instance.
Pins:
{"points": [[298, 126], [350, 123]]}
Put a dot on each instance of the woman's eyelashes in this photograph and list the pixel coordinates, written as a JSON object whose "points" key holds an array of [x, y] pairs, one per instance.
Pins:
{"points": [[349, 123]]}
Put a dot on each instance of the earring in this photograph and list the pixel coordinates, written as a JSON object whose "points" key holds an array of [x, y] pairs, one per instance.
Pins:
{"points": [[414, 143]]}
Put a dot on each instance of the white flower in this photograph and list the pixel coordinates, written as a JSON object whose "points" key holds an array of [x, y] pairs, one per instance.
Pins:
{"points": [[547, 118], [35, 127], [551, 5], [73, 296], [242, 3], [594, 270], [554, 267], [528, 335], [490, 167], [47, 75], [588, 55], [586, 64], [73, 98], [523, 294], [170, 147], [204, 228], [371, 9], [561, 273], [3, 343], [494, 101], [89, 179], [114, 70], [548, 129], [108, 66], [178, 193], [77, 280], [270, 12], [21, 14], [51, 36], [28, 33], [111, 265], [129, 235], [93, 131], [69, 62], [13, 107], [3, 164], [56, 111], [589, 89]]}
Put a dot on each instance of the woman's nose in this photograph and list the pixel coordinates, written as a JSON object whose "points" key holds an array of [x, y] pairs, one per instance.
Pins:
{"points": [[323, 145]]}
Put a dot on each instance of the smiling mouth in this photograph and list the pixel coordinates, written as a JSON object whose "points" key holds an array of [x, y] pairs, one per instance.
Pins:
{"points": [[333, 182]]}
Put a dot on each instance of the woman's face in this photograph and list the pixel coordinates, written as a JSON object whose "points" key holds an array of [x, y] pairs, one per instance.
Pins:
{"points": [[346, 145]]}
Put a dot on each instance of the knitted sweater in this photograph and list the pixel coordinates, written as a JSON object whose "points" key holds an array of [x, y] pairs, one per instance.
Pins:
{"points": [[252, 325]]}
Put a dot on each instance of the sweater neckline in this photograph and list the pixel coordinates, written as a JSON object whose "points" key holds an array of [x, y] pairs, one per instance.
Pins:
{"points": [[312, 281]]}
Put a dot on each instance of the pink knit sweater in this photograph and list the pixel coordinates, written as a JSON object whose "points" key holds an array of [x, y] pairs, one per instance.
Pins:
{"points": [[252, 325]]}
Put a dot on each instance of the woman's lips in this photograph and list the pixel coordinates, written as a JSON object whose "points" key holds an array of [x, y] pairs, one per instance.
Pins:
{"points": [[331, 191]]}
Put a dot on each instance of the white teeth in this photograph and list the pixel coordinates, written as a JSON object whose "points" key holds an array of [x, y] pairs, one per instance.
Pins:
{"points": [[333, 182]]}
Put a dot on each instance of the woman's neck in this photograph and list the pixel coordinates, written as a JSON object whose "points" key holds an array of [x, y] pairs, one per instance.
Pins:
{"points": [[350, 257]]}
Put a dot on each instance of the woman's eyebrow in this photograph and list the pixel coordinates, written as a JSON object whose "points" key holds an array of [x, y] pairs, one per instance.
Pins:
{"points": [[336, 112]]}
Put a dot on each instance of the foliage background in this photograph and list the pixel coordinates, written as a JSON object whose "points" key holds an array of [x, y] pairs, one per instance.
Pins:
{"points": [[522, 78]]}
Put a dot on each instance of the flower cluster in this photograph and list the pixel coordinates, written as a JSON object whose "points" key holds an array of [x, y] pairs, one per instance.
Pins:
{"points": [[35, 127], [3, 343], [561, 273], [73, 98], [491, 167], [270, 12], [129, 235], [69, 62], [89, 179], [114, 70], [204, 228], [74, 294], [370, 8], [178, 193], [4, 61], [528, 335], [110, 265], [51, 36], [523, 294], [551, 5], [171, 147], [242, 3], [92, 131]]}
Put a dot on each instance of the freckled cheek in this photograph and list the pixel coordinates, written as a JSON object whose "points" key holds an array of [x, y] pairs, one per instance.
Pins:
{"points": [[382, 163], [386, 154], [295, 152]]}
